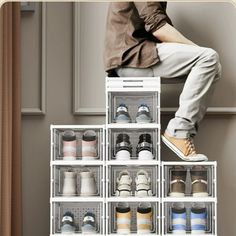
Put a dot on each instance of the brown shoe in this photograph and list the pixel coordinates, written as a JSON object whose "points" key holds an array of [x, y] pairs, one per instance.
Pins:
{"points": [[177, 184], [183, 147], [199, 181]]}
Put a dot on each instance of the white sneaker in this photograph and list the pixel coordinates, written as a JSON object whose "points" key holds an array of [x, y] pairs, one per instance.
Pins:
{"points": [[69, 183], [88, 184], [123, 184], [143, 182]]}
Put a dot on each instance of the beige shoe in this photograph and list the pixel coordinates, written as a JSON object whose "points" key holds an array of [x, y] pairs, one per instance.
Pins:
{"points": [[183, 147]]}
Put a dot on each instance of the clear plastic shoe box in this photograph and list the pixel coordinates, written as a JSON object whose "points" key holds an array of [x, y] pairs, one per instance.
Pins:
{"points": [[78, 209], [95, 181], [193, 172], [114, 171], [210, 220], [58, 145], [112, 217]]}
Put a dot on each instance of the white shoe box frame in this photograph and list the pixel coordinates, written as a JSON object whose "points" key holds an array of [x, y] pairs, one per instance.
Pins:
{"points": [[117, 89], [188, 200], [78, 205], [133, 92]]}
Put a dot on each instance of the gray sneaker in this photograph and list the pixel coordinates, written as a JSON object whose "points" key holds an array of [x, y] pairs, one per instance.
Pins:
{"points": [[122, 114], [89, 224], [68, 225], [143, 115]]}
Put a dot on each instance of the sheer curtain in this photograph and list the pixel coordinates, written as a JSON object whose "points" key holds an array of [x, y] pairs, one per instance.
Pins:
{"points": [[10, 121]]}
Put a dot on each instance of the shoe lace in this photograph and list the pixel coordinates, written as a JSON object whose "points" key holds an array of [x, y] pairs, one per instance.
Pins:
{"points": [[190, 146]]}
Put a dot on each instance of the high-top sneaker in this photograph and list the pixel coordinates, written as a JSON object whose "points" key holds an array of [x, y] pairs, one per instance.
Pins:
{"points": [[69, 145], [123, 218], [143, 184], [67, 223], [122, 114], [88, 183], [123, 183], [199, 181], [144, 147], [198, 218], [89, 145], [69, 183], [183, 147], [143, 115], [177, 184], [178, 217], [89, 224], [144, 218], [123, 147]]}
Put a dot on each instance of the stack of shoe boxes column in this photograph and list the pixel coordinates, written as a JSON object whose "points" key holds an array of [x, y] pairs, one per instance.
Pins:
{"points": [[132, 172], [77, 180], [189, 200]]}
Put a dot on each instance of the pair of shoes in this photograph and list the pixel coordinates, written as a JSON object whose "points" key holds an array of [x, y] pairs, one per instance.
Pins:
{"points": [[124, 148], [124, 182], [198, 218], [183, 147], [89, 145], [144, 218], [143, 114], [88, 185], [198, 178], [68, 223]]}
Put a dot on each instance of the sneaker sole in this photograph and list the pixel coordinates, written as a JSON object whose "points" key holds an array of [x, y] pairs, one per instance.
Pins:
{"points": [[123, 155], [143, 194], [145, 155], [202, 194], [175, 194], [178, 152], [123, 231]]}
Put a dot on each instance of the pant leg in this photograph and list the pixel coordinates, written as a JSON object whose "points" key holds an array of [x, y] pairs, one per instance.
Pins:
{"points": [[202, 67]]}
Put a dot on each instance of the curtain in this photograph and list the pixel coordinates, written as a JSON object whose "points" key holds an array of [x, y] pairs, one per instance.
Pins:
{"points": [[10, 121]]}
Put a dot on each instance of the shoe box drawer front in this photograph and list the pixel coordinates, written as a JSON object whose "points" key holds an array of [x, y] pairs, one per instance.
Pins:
{"points": [[77, 144], [133, 144], [189, 217], [133, 217], [190, 181], [133, 181], [77, 218], [137, 104], [83, 181]]}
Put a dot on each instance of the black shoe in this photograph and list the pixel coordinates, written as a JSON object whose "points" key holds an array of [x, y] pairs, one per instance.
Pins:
{"points": [[144, 147], [68, 225], [123, 147]]}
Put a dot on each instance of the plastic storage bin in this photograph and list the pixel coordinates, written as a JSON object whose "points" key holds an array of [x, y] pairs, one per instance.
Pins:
{"points": [[198, 222], [112, 224], [83, 181], [132, 92], [134, 135], [82, 143], [78, 209], [201, 174]]}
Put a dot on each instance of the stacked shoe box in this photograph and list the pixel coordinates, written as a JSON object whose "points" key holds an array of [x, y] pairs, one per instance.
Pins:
{"points": [[133, 156], [77, 180], [189, 198]]}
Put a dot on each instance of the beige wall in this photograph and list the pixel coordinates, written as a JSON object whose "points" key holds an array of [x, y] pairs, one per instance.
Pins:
{"points": [[216, 136]]}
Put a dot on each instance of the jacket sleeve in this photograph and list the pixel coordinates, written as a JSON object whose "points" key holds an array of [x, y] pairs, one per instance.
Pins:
{"points": [[153, 14]]}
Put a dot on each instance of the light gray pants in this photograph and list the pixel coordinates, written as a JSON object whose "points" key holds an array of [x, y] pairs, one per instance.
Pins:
{"points": [[201, 66]]}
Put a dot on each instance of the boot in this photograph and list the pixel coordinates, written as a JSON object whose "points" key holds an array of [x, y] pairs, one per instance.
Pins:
{"points": [[69, 184], [88, 185]]}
